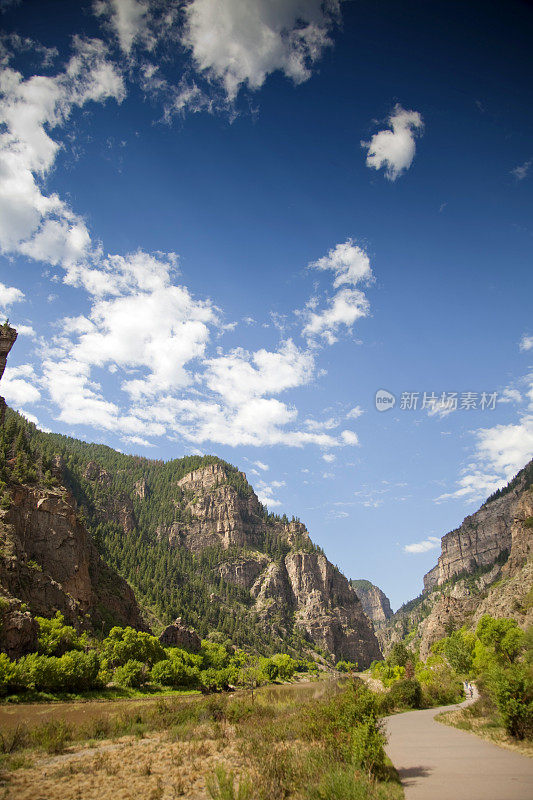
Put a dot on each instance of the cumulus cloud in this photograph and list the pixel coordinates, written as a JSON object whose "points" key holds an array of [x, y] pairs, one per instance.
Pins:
{"points": [[394, 149], [343, 310], [350, 265], [9, 295], [19, 385], [237, 44], [146, 330], [33, 223], [431, 543]]}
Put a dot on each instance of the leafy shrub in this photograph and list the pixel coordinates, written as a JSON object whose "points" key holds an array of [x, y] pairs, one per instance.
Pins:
{"points": [[55, 638], [512, 691], [345, 666], [127, 644], [285, 664], [268, 668], [368, 744], [406, 693], [132, 674], [71, 672]]}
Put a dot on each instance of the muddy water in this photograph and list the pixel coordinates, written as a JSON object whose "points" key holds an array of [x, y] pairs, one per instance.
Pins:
{"points": [[79, 713]]}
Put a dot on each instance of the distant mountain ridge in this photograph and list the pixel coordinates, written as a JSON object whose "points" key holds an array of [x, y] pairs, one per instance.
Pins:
{"points": [[376, 604]]}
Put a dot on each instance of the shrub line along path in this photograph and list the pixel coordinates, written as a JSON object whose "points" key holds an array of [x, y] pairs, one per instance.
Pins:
{"points": [[437, 762]]}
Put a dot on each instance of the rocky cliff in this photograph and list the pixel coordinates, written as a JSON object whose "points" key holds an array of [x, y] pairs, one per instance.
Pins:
{"points": [[48, 561], [485, 567], [376, 604], [298, 591], [481, 539]]}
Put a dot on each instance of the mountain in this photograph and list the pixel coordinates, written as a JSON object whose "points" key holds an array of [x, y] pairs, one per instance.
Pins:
{"points": [[376, 604], [485, 566], [48, 561], [189, 535]]}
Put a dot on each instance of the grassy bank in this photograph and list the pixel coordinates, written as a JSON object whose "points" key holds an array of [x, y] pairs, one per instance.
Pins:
{"points": [[220, 747]]}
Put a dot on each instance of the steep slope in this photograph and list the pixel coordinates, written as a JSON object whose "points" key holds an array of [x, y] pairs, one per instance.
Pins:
{"points": [[486, 566], [376, 604], [48, 561], [257, 577]]}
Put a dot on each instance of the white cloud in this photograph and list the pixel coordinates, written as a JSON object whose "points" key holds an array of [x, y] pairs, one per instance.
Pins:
{"points": [[351, 266], [349, 438], [265, 493], [138, 440], [328, 457], [128, 19], [9, 295], [431, 543], [355, 412], [33, 223], [19, 385], [394, 149], [510, 395], [500, 452], [520, 172], [526, 343], [261, 465], [348, 261], [344, 309], [236, 43], [441, 408]]}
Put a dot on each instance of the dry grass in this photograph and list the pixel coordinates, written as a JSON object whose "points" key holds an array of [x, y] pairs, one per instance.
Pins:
{"points": [[221, 748], [483, 723], [154, 768]]}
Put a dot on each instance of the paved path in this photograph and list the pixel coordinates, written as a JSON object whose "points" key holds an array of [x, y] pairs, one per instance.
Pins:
{"points": [[436, 762]]}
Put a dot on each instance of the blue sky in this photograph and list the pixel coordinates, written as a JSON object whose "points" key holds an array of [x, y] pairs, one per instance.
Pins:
{"points": [[225, 225]]}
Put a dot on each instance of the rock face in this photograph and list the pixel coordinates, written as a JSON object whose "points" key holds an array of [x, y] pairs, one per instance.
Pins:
{"points": [[178, 635], [8, 337], [376, 604], [486, 567], [301, 588], [482, 538], [49, 562]]}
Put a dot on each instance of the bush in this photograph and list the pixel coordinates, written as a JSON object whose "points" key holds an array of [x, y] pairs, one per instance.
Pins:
{"points": [[55, 638], [345, 666], [127, 644], [268, 669], [285, 664], [406, 693], [53, 736], [71, 672], [132, 674], [512, 691], [368, 743]]}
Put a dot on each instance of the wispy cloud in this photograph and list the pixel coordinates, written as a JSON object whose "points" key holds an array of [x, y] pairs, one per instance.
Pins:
{"points": [[521, 171], [431, 543]]}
